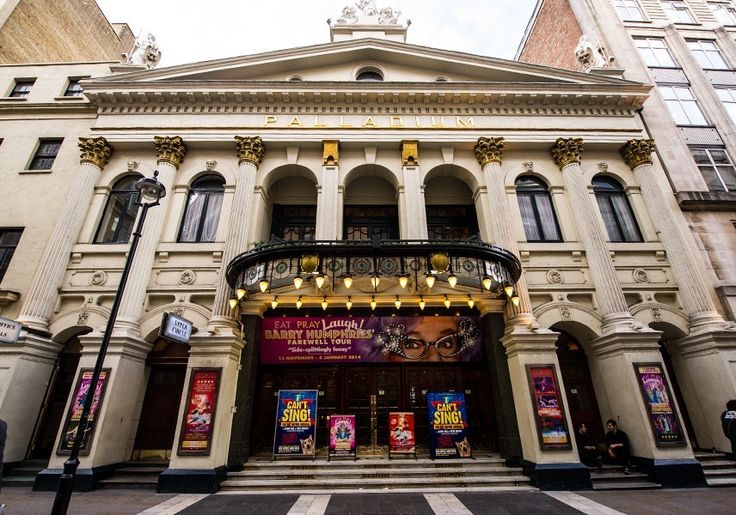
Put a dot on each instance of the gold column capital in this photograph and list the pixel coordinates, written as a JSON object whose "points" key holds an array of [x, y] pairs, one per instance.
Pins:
{"points": [[250, 149], [330, 152], [170, 149], [409, 152], [567, 151], [637, 152], [489, 150], [95, 150]]}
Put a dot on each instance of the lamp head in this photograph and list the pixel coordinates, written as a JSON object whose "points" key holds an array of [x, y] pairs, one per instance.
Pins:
{"points": [[150, 190]]}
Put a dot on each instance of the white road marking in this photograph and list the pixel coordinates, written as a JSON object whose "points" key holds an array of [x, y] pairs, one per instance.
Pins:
{"points": [[310, 505], [174, 505], [446, 504], [581, 503]]}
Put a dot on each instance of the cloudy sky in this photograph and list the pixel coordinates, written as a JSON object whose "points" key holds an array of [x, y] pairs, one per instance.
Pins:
{"points": [[198, 30]]}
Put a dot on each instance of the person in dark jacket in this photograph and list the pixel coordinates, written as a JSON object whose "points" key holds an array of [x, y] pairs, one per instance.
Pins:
{"points": [[3, 436], [728, 422], [617, 446], [587, 449]]}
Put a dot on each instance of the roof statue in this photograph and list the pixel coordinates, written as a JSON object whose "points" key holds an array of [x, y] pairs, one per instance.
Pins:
{"points": [[145, 52], [366, 12], [591, 55]]}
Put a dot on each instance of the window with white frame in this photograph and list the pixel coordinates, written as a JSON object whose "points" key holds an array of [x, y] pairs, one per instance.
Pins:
{"points": [[678, 12], [728, 97], [724, 12], [628, 10], [707, 54], [683, 105], [655, 53], [716, 167]]}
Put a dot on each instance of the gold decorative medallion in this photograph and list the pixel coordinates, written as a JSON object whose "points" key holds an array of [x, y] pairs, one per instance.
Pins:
{"points": [[250, 149], [410, 153], [489, 150], [567, 151], [170, 149], [637, 152], [330, 152], [95, 150]]}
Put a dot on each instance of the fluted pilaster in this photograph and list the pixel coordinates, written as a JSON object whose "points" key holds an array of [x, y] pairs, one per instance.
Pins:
{"points": [[41, 297], [411, 195], [328, 198]]}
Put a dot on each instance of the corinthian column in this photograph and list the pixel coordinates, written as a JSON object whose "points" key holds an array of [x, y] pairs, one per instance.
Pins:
{"points": [[567, 154], [41, 297], [170, 153], [411, 198], [250, 152]]}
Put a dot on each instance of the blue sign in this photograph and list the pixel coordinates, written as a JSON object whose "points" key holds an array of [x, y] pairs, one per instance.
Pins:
{"points": [[448, 421], [296, 423]]}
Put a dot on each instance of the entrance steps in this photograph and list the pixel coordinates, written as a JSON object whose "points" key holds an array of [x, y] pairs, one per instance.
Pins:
{"points": [[612, 477], [135, 475], [486, 472], [719, 470], [24, 473]]}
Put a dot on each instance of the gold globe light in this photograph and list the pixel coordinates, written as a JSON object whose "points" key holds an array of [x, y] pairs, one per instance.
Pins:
{"points": [[275, 302], [487, 283], [447, 302], [347, 281], [515, 300], [298, 281], [349, 304], [232, 303], [403, 280], [452, 280], [440, 262], [263, 285], [471, 302], [240, 293], [430, 281], [397, 302], [373, 303], [320, 281], [299, 302], [309, 263], [509, 290]]}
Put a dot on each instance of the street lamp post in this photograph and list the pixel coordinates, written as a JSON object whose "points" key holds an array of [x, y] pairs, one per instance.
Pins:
{"points": [[150, 192]]}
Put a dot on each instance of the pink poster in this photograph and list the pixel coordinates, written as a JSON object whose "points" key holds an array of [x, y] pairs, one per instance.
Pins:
{"points": [[75, 411], [342, 436]]}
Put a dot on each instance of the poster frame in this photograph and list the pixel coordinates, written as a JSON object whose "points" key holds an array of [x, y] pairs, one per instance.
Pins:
{"points": [[274, 455], [433, 432], [402, 452], [352, 454], [206, 451], [86, 447], [682, 442], [560, 400]]}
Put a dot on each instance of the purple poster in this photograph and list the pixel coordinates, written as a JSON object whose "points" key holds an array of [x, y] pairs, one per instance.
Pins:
{"points": [[342, 436], [292, 340], [75, 411], [659, 403]]}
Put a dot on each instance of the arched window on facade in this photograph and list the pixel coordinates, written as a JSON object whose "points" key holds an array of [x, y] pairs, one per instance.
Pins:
{"points": [[369, 75], [120, 212], [537, 213], [615, 210], [203, 210]]}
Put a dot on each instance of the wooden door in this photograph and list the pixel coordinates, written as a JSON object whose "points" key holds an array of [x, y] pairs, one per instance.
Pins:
{"points": [[358, 388], [480, 409], [160, 408]]}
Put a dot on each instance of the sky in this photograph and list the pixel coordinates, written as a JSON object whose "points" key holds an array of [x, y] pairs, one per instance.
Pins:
{"points": [[189, 31]]}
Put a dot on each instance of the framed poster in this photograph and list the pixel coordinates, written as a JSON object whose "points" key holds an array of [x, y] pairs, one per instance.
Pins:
{"points": [[296, 423], [195, 436], [549, 410], [401, 433], [447, 423], [71, 425], [342, 437], [659, 404]]}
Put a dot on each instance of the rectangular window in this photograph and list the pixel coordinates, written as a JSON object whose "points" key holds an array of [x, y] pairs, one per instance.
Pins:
{"points": [[655, 53], [74, 89], [47, 151], [683, 105], [728, 97], [707, 54], [9, 239], [22, 88], [678, 12], [716, 167], [628, 10], [724, 12]]}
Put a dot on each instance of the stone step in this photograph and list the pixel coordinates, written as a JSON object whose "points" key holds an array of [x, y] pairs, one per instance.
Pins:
{"points": [[718, 464], [389, 489], [707, 456], [720, 473], [359, 472], [628, 485], [18, 480], [726, 481], [129, 483], [373, 463], [619, 478], [139, 471], [376, 483]]}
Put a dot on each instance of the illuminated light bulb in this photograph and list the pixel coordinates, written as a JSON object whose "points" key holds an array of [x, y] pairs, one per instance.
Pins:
{"points": [[447, 302], [373, 303], [347, 281], [397, 303], [430, 281], [471, 302], [375, 280], [275, 302], [324, 303], [299, 302], [320, 281], [263, 285], [422, 304], [509, 290], [403, 281], [298, 281], [487, 283], [233, 303], [452, 280], [240, 293], [349, 304], [515, 300]]}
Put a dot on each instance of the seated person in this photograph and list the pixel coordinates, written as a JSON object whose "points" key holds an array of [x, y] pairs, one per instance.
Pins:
{"points": [[587, 449], [617, 446]]}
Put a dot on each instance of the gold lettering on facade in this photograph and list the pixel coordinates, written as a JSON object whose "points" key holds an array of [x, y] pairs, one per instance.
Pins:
{"points": [[396, 122], [369, 123], [467, 123], [418, 123], [270, 119], [296, 122], [393, 121], [318, 125], [343, 124], [436, 124]]}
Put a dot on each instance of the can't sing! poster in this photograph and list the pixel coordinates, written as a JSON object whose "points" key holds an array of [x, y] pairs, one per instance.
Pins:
{"points": [[447, 423], [296, 423]]}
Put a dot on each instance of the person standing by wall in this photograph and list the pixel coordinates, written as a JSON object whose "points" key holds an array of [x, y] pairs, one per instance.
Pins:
{"points": [[728, 421], [3, 436]]}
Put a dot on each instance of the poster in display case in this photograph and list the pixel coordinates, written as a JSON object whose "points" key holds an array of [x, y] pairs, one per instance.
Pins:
{"points": [[549, 410]]}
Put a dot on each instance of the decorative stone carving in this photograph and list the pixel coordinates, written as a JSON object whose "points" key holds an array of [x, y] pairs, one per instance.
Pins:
{"points": [[170, 149], [133, 166], [145, 52], [187, 277], [637, 152], [349, 15], [95, 150], [555, 277], [528, 166], [83, 317], [603, 167], [565, 313], [640, 275], [330, 152], [178, 311], [567, 151], [489, 150], [367, 7], [210, 165], [410, 153], [591, 55], [98, 278], [657, 314], [387, 15], [250, 149]]}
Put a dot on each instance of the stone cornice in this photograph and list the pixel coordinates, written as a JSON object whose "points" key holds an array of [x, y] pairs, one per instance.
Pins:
{"points": [[567, 151], [637, 152], [95, 150], [489, 150], [170, 149], [250, 149]]}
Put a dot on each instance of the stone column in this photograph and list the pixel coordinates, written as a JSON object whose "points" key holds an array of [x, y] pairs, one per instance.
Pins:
{"points": [[41, 296], [250, 151], [327, 199], [411, 202], [609, 295], [170, 152]]}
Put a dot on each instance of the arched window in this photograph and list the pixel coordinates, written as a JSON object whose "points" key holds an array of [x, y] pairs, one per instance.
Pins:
{"points": [[120, 212], [369, 75], [615, 210], [537, 213], [203, 210]]}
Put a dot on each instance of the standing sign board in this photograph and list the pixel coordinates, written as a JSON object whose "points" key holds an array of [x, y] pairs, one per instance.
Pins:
{"points": [[75, 411], [296, 423], [447, 425], [548, 408], [342, 437], [660, 405], [401, 438], [199, 418], [9, 330]]}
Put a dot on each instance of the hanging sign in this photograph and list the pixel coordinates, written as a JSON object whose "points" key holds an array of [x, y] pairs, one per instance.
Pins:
{"points": [[296, 423], [447, 425], [75, 411], [9, 330], [659, 404], [342, 436], [401, 433], [548, 408], [195, 436], [176, 328]]}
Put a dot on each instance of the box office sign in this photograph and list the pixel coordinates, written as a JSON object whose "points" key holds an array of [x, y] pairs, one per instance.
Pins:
{"points": [[342, 436], [401, 439], [548, 408], [199, 418], [659, 404], [447, 423], [9, 330], [71, 425], [296, 423]]}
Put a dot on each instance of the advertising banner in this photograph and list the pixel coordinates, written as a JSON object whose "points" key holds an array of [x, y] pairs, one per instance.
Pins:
{"points": [[75, 411], [659, 404], [548, 407], [342, 436], [401, 433], [292, 340], [447, 424], [296, 423], [199, 418]]}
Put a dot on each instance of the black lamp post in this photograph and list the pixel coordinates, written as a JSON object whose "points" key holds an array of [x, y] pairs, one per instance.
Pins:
{"points": [[150, 191]]}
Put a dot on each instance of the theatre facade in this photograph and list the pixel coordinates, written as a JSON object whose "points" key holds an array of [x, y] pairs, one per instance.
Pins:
{"points": [[374, 221]]}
